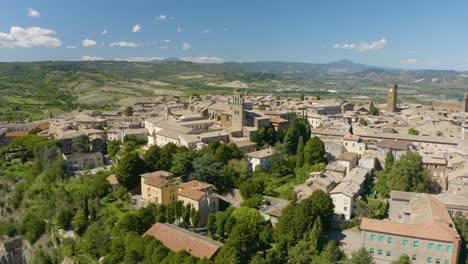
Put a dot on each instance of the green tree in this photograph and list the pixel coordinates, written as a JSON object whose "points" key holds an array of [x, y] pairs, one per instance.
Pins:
{"points": [[96, 240], [128, 111], [64, 218], [129, 146], [129, 169], [298, 127], [314, 151], [151, 158], [113, 147], [300, 153], [194, 217], [402, 260], [298, 218], [360, 256], [167, 152], [81, 144], [330, 254], [182, 163], [389, 159], [374, 111], [413, 131], [79, 222], [407, 174], [207, 169], [362, 122]]}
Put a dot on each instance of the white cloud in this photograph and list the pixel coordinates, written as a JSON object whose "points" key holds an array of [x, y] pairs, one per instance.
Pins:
{"points": [[136, 28], [162, 18], [104, 32], [363, 46], [179, 29], [29, 37], [124, 44], [203, 59], [89, 43], [33, 13], [139, 59], [408, 61], [205, 32], [70, 47], [186, 46], [91, 58]]}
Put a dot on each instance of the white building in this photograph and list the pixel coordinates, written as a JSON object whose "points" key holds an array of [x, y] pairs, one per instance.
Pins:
{"points": [[262, 157]]}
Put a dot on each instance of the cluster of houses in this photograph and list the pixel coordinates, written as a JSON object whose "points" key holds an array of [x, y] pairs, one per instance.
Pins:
{"points": [[356, 142]]}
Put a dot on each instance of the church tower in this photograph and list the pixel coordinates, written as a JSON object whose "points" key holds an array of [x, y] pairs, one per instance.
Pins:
{"points": [[237, 110], [392, 98], [465, 103]]}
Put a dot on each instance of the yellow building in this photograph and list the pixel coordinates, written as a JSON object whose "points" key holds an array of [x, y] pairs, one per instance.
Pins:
{"points": [[158, 187]]}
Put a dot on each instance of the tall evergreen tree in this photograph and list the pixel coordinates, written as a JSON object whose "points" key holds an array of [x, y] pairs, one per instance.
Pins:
{"points": [[86, 209], [314, 151], [389, 159], [300, 153]]}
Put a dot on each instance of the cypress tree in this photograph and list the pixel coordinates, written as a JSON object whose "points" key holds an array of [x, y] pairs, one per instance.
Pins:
{"points": [[300, 153]]}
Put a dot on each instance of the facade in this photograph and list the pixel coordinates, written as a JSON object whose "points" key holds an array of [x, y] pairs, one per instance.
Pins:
{"points": [[354, 144], [81, 161], [262, 157], [392, 98], [199, 195], [158, 187]]}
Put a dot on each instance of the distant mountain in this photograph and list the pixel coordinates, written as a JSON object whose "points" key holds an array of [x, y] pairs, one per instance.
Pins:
{"points": [[166, 60], [347, 64]]}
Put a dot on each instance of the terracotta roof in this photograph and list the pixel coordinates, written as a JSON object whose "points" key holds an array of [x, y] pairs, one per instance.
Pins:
{"points": [[177, 239], [156, 181], [159, 173], [112, 179], [191, 193], [44, 126], [278, 120], [350, 137], [17, 134], [197, 185], [431, 231]]}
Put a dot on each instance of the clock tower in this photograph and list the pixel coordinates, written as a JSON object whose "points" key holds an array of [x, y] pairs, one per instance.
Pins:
{"points": [[392, 98]]}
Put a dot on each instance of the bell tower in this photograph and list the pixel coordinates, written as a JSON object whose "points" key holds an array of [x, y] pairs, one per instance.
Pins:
{"points": [[392, 98], [237, 110]]}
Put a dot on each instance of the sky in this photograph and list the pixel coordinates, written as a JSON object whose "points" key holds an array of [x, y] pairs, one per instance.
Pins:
{"points": [[412, 34]]}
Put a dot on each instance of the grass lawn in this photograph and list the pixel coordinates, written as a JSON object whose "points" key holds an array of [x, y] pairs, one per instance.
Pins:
{"points": [[286, 191]]}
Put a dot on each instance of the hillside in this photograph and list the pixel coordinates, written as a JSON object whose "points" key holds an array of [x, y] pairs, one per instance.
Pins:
{"points": [[40, 89]]}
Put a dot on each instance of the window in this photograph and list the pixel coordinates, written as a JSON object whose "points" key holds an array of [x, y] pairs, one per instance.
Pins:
{"points": [[440, 247], [390, 240], [381, 239], [380, 252], [372, 251], [345, 208], [389, 253], [413, 257], [372, 237], [449, 248], [415, 243], [405, 242], [429, 260], [437, 261], [447, 261], [431, 246]]}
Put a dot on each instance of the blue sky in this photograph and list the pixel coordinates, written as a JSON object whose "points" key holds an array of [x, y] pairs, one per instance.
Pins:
{"points": [[403, 34]]}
